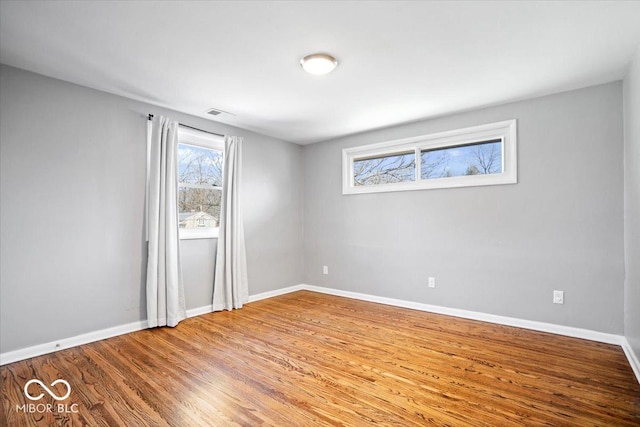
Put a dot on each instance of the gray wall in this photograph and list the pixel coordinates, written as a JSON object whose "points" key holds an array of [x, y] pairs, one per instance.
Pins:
{"points": [[198, 263], [498, 249], [632, 205], [72, 248]]}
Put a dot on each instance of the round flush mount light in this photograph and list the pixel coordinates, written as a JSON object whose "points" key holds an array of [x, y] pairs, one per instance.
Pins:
{"points": [[318, 63]]}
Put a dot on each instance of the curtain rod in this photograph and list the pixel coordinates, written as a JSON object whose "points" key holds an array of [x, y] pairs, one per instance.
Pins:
{"points": [[191, 127]]}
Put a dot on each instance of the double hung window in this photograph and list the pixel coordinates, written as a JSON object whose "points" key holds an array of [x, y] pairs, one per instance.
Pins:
{"points": [[200, 163]]}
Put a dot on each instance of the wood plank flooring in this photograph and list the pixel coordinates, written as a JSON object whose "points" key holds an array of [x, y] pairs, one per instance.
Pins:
{"points": [[308, 359]]}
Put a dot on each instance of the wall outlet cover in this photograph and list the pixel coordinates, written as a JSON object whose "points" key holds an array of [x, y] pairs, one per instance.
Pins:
{"points": [[558, 297]]}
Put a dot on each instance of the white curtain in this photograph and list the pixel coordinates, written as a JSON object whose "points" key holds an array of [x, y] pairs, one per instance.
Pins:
{"points": [[165, 292], [231, 289]]}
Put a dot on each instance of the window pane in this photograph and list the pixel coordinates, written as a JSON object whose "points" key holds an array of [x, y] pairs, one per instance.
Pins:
{"points": [[473, 159], [197, 165], [384, 170], [198, 207]]}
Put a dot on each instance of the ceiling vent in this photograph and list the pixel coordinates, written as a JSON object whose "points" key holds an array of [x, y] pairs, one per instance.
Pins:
{"points": [[214, 112]]}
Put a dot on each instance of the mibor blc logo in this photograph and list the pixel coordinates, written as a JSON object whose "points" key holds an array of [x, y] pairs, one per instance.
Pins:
{"points": [[46, 407], [47, 389]]}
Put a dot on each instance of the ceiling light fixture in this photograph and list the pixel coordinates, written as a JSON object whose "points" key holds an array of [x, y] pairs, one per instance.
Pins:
{"points": [[318, 63]]}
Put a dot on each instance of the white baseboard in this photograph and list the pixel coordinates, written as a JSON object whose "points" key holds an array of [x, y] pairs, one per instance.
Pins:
{"points": [[50, 347], [271, 294], [631, 356], [252, 298], [200, 310]]}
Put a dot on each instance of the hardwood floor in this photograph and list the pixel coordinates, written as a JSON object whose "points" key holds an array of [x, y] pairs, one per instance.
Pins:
{"points": [[306, 359]]}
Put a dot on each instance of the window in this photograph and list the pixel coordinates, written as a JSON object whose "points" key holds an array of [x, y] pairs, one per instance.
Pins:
{"points": [[200, 162], [479, 155]]}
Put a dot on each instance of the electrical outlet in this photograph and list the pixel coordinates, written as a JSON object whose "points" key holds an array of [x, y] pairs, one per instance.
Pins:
{"points": [[432, 282], [325, 269], [558, 297]]}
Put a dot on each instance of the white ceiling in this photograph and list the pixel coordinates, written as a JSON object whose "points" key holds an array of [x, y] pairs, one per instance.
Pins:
{"points": [[398, 61]]}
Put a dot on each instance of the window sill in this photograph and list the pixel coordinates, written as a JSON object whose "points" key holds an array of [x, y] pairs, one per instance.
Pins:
{"points": [[192, 234]]}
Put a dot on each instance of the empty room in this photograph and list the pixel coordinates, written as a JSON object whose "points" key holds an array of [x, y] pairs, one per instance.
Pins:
{"points": [[310, 213]]}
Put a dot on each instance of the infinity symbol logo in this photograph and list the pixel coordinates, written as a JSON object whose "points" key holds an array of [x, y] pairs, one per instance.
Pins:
{"points": [[51, 393]]}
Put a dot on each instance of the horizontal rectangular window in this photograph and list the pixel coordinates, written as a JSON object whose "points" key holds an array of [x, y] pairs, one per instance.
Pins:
{"points": [[200, 167], [475, 156]]}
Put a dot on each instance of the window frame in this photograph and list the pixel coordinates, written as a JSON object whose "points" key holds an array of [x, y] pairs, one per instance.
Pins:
{"points": [[506, 131], [200, 139]]}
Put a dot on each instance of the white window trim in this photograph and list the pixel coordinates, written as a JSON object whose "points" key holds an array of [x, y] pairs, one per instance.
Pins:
{"points": [[200, 139], [505, 131]]}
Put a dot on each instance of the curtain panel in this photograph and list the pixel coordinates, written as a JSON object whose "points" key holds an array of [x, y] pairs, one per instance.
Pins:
{"points": [[231, 289], [165, 292]]}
